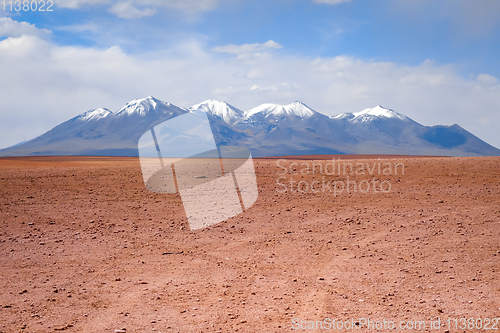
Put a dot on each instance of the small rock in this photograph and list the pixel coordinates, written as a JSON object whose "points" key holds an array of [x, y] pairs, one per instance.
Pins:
{"points": [[62, 328]]}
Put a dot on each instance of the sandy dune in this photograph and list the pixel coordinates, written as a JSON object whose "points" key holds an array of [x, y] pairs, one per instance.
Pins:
{"points": [[84, 247]]}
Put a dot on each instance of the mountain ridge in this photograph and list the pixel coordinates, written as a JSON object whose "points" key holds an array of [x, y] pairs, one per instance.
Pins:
{"points": [[220, 109], [266, 130]]}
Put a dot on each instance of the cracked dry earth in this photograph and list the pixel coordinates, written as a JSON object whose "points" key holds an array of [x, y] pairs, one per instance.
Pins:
{"points": [[84, 247]]}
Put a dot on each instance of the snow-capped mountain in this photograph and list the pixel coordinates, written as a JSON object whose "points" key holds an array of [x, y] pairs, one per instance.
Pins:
{"points": [[383, 127], [291, 129], [371, 114], [385, 131], [274, 112], [266, 130], [100, 132], [223, 117], [222, 110], [95, 114]]}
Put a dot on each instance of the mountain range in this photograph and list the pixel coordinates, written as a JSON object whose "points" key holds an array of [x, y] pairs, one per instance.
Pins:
{"points": [[266, 130]]}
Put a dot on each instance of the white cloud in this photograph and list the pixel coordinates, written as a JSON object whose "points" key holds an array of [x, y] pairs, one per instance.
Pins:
{"points": [[91, 27], [487, 79], [247, 48], [186, 5], [62, 82], [331, 2], [127, 10], [75, 4], [280, 87], [5, 13], [130, 9], [11, 28]]}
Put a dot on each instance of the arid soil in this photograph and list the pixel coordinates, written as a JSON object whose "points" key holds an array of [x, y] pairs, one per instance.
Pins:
{"points": [[84, 247]]}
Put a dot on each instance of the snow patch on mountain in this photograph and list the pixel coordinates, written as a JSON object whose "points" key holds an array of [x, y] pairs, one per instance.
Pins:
{"points": [[141, 106], [95, 114], [294, 109], [223, 110], [379, 111], [370, 114]]}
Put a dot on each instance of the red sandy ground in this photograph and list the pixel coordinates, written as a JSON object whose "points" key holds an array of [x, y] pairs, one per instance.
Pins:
{"points": [[84, 247]]}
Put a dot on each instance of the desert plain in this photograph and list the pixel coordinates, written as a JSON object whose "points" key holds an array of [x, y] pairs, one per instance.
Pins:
{"points": [[84, 247]]}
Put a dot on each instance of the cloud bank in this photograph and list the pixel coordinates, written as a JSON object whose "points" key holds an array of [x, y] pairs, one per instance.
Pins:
{"points": [[331, 2], [45, 84], [11, 28], [140, 8], [247, 48]]}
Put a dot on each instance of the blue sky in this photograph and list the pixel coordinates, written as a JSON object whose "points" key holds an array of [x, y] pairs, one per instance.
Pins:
{"points": [[434, 61]]}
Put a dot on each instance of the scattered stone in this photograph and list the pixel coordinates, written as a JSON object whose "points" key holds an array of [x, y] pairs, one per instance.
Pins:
{"points": [[62, 328]]}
